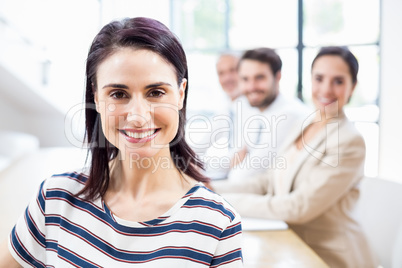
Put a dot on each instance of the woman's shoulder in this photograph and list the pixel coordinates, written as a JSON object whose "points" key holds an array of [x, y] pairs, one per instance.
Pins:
{"points": [[214, 202], [349, 134], [70, 181]]}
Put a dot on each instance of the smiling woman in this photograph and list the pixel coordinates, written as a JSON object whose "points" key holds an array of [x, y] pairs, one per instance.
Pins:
{"points": [[139, 108], [142, 201]]}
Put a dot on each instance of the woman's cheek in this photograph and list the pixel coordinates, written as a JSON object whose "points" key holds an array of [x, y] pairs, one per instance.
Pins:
{"points": [[110, 123], [169, 118]]}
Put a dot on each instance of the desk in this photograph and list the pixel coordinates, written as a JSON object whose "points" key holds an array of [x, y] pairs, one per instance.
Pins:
{"points": [[278, 249]]}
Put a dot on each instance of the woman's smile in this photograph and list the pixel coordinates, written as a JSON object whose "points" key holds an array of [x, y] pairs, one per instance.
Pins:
{"points": [[146, 97], [139, 136]]}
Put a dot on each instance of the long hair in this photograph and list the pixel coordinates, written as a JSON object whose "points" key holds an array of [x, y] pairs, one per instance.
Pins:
{"points": [[139, 33]]}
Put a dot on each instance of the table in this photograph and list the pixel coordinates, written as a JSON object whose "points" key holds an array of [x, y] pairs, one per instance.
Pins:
{"points": [[278, 249]]}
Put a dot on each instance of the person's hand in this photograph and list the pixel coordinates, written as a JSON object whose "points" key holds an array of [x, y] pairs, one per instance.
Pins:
{"points": [[238, 157]]}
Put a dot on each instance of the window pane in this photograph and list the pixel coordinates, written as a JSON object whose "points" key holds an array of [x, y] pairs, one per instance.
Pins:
{"points": [[366, 91], [256, 23], [205, 92], [370, 132], [308, 56], [340, 22], [288, 84], [200, 24], [205, 98], [118, 9]]}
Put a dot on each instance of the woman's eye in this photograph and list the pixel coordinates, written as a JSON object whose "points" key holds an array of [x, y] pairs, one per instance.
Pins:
{"points": [[118, 95], [339, 81], [156, 93]]}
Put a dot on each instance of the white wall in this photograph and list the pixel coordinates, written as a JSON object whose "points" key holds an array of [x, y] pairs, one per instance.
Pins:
{"points": [[21, 109], [390, 166], [47, 127]]}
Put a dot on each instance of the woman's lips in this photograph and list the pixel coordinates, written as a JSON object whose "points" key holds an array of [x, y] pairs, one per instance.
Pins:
{"points": [[326, 101], [139, 136]]}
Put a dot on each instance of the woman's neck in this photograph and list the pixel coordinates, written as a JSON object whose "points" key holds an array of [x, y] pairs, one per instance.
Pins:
{"points": [[323, 116], [140, 193], [138, 177]]}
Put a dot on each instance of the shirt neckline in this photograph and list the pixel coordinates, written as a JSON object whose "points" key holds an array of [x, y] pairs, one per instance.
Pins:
{"points": [[182, 201]]}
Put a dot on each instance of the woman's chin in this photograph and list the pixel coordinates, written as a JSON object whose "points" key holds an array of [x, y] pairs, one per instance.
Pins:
{"points": [[138, 154], [328, 112]]}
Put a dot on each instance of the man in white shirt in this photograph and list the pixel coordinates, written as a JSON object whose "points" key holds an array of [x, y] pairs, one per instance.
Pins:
{"points": [[259, 72], [226, 69], [226, 126]]}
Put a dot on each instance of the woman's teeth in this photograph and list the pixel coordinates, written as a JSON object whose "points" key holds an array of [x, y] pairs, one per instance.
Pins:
{"points": [[325, 100], [139, 135]]}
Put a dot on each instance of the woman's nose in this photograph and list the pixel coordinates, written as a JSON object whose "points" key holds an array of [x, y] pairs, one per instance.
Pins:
{"points": [[326, 88], [139, 112]]}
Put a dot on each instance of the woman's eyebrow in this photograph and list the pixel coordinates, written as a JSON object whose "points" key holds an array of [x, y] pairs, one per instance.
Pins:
{"points": [[122, 86], [339, 77], [116, 86], [158, 84]]}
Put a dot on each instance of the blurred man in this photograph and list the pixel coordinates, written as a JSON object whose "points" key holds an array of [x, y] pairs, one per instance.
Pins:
{"points": [[226, 68], [226, 126], [259, 72]]}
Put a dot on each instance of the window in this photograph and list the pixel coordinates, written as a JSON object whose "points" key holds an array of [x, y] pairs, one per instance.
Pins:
{"points": [[295, 28], [207, 27], [200, 24]]}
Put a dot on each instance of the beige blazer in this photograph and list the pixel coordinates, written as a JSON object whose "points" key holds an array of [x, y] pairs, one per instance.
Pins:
{"points": [[315, 192]]}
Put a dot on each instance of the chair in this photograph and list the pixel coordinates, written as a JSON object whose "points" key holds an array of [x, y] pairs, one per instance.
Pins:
{"points": [[397, 252], [380, 214]]}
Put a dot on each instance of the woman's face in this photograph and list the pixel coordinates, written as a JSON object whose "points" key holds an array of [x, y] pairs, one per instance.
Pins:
{"points": [[332, 84], [138, 99]]}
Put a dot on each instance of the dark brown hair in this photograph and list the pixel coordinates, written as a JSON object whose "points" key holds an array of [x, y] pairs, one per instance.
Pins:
{"points": [[345, 54], [143, 33], [265, 55]]}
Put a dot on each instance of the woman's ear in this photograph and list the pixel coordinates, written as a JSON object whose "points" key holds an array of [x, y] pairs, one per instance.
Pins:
{"points": [[353, 88], [352, 91], [96, 101], [94, 91], [182, 93]]}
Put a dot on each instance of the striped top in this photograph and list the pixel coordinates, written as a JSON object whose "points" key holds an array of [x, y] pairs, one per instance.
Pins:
{"points": [[60, 230]]}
